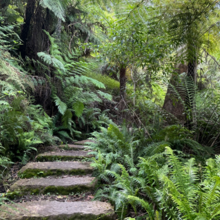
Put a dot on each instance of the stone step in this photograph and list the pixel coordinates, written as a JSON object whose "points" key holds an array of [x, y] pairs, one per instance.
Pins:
{"points": [[49, 210], [62, 186], [72, 147], [42, 169], [64, 155], [83, 142]]}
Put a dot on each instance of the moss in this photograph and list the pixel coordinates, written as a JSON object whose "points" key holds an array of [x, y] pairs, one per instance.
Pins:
{"points": [[111, 84], [13, 195], [21, 192], [34, 191], [66, 190], [39, 173], [61, 158], [66, 147]]}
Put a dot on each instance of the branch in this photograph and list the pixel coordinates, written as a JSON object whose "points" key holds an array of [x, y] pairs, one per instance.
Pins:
{"points": [[213, 58], [137, 118]]}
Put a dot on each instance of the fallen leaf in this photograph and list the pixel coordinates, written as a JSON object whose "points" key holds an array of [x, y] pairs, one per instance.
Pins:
{"points": [[90, 197]]}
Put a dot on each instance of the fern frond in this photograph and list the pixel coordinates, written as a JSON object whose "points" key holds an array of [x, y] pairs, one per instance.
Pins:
{"points": [[149, 209], [47, 58], [62, 107], [78, 107], [56, 6], [105, 95]]}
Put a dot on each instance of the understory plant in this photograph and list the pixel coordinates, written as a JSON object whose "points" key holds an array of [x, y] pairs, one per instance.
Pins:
{"points": [[72, 92], [153, 182], [23, 125]]}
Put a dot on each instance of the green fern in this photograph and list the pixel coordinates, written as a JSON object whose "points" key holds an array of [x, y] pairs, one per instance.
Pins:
{"points": [[57, 7], [148, 207], [62, 107], [48, 59], [77, 90], [193, 199], [78, 107]]}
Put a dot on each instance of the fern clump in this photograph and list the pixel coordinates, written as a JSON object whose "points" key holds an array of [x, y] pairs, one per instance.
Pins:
{"points": [[182, 139], [166, 185], [74, 98], [23, 125]]}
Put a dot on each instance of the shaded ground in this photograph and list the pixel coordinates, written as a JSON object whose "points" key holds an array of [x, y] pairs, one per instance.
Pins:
{"points": [[10, 177], [87, 196]]}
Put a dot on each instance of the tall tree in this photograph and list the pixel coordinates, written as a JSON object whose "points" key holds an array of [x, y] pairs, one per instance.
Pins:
{"points": [[188, 23]]}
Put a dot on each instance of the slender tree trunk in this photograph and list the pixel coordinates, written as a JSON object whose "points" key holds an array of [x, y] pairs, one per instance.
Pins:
{"points": [[190, 97], [58, 30], [172, 103], [192, 66], [135, 80], [122, 82]]}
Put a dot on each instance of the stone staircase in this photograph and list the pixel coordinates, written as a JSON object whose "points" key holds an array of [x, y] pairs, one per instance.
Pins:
{"points": [[62, 180]]}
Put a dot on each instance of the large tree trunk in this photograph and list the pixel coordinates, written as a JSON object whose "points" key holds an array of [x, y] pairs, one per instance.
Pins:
{"points": [[27, 25], [37, 19]]}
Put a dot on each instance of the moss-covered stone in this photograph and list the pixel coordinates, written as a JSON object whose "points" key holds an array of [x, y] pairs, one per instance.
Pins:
{"points": [[46, 210], [62, 186], [72, 147], [63, 156], [83, 142], [13, 195], [39, 173], [44, 169], [58, 158]]}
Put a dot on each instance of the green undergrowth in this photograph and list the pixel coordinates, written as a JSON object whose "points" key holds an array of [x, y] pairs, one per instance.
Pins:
{"points": [[112, 85], [135, 171]]}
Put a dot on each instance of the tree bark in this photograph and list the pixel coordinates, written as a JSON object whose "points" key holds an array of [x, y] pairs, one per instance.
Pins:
{"points": [[26, 27], [190, 96], [37, 19], [192, 66], [58, 30], [123, 82], [172, 103]]}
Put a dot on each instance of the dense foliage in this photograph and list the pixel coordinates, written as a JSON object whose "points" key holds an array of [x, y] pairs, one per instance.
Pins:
{"points": [[139, 77]]}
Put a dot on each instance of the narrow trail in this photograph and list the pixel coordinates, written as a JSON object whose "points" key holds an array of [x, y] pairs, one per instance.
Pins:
{"points": [[64, 179]]}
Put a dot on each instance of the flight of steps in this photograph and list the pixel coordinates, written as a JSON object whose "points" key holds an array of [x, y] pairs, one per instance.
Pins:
{"points": [[63, 182]]}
